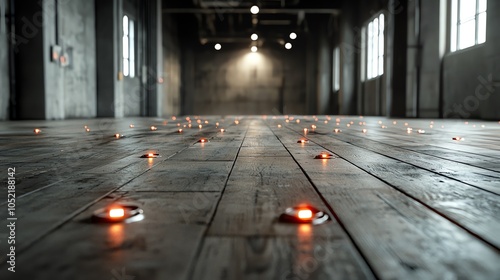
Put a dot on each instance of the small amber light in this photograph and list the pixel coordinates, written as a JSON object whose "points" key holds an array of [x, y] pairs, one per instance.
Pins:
{"points": [[37, 130], [131, 125], [153, 128], [117, 136], [216, 124], [200, 126], [364, 130], [87, 129], [222, 130], [151, 155], [174, 118], [180, 130], [237, 122], [116, 213], [279, 125], [336, 130], [304, 214], [458, 138]]}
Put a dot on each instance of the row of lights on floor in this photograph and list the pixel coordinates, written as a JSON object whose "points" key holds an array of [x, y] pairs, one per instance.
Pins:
{"points": [[255, 37], [127, 213]]}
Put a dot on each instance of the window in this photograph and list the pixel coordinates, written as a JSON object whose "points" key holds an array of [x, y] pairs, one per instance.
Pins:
{"points": [[373, 39], [468, 23], [128, 47], [336, 69]]}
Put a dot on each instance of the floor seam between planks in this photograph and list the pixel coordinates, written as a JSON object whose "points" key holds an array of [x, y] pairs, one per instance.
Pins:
{"points": [[330, 208], [219, 199], [407, 194]]}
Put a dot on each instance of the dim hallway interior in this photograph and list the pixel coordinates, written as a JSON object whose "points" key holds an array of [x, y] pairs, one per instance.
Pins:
{"points": [[408, 198]]}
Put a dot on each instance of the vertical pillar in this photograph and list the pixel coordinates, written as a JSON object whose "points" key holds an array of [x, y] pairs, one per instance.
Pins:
{"points": [[109, 52], [324, 88], [4, 63], [396, 59], [154, 58]]}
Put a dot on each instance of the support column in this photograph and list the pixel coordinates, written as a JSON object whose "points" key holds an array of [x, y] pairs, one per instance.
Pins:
{"points": [[324, 88], [110, 101], [397, 48], [40, 94]]}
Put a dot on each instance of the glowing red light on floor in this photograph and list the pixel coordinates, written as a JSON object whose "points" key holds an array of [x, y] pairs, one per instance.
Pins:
{"points": [[116, 213], [304, 214], [324, 155]]}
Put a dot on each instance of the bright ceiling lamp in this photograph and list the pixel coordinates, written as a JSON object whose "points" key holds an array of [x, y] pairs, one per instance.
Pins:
{"points": [[293, 35], [254, 37], [288, 46], [254, 10], [218, 47], [254, 49]]}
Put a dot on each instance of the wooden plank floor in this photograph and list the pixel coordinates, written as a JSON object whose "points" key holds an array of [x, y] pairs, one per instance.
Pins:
{"points": [[404, 204]]}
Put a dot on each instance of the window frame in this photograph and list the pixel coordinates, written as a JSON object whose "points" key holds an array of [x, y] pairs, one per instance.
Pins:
{"points": [[336, 69], [456, 22], [373, 46], [128, 46]]}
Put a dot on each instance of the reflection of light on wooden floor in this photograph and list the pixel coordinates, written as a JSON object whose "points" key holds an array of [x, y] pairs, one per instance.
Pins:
{"points": [[115, 235], [304, 260]]}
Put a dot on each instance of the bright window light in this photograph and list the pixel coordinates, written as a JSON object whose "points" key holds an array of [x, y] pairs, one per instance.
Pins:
{"points": [[468, 23], [375, 46], [336, 69], [128, 47]]}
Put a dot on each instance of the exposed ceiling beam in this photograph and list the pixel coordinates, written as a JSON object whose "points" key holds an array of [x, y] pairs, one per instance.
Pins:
{"points": [[247, 11]]}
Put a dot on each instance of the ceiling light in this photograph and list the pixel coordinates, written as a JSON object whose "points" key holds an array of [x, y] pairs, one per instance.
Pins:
{"points": [[293, 35], [254, 49], [254, 10], [254, 37], [218, 47], [288, 46]]}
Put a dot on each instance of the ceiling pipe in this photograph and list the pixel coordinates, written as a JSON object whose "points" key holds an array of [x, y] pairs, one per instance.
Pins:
{"points": [[246, 11]]}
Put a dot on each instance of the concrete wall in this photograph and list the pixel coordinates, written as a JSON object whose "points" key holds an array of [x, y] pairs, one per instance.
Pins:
{"points": [[350, 50], [426, 43], [132, 96], [171, 104], [4, 64], [236, 81], [77, 37], [47, 89], [471, 76]]}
